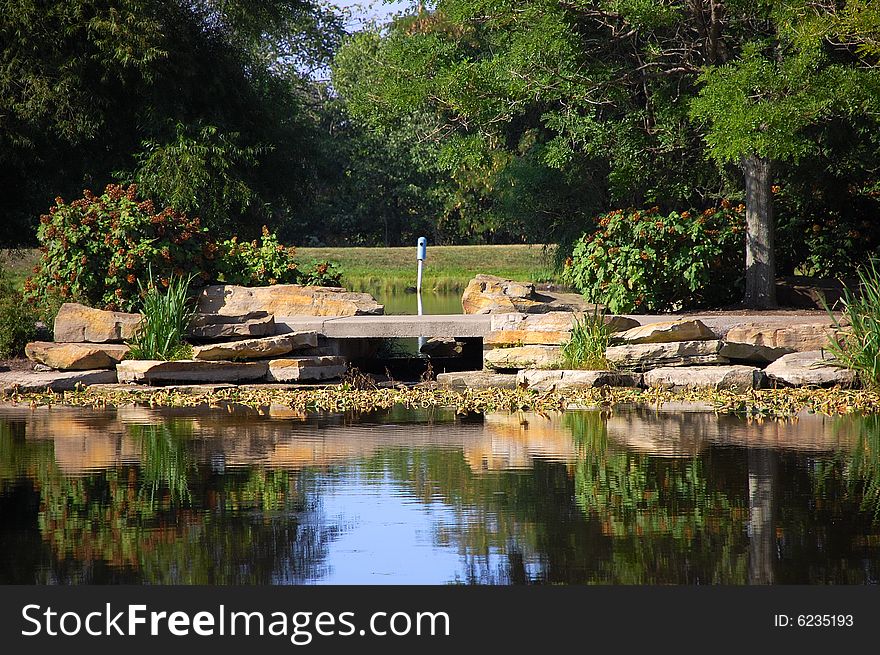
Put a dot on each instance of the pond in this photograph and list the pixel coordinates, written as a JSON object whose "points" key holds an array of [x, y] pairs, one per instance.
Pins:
{"points": [[433, 302], [234, 495]]}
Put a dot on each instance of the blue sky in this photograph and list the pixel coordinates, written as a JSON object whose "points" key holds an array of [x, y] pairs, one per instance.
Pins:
{"points": [[364, 11]]}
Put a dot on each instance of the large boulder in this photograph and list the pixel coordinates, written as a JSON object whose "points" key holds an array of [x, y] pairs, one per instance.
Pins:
{"points": [[76, 356], [256, 348], [666, 332], [306, 369], [77, 323], [644, 356], [762, 342], [563, 379], [29, 381], [286, 300], [159, 372], [813, 368], [209, 327], [738, 378], [541, 357], [477, 380], [489, 294]]}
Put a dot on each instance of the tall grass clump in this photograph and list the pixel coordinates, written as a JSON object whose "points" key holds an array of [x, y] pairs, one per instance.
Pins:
{"points": [[166, 319], [858, 347], [590, 337]]}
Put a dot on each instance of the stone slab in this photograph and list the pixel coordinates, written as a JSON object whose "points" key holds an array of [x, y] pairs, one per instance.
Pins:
{"points": [[762, 342], [77, 323], [159, 372], [666, 332], [262, 348], [643, 356], [209, 327], [303, 369], [555, 321], [519, 357], [28, 381], [811, 368], [538, 380], [477, 380], [387, 327], [76, 356], [489, 294], [286, 300], [738, 377]]}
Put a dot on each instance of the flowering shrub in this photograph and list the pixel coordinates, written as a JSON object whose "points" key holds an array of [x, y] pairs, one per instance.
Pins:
{"points": [[642, 260], [95, 249], [18, 320]]}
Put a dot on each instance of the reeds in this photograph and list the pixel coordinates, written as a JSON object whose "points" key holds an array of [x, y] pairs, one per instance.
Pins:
{"points": [[590, 337], [858, 347], [166, 319]]}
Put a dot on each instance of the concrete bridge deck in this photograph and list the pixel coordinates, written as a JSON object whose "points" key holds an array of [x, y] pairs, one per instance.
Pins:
{"points": [[478, 325]]}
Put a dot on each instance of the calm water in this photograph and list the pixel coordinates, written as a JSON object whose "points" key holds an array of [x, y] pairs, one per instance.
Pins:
{"points": [[232, 496], [399, 302]]}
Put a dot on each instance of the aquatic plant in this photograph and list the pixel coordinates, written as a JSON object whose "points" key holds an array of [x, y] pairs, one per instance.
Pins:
{"points": [[858, 347], [590, 337], [166, 319]]}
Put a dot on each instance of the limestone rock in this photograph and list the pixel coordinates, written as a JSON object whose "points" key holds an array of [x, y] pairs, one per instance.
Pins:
{"points": [[643, 356], [811, 368], [306, 369], [564, 379], [208, 327], [77, 323], [666, 332], [31, 381], [757, 342], [541, 357], [738, 378], [286, 300], [76, 356], [489, 294], [442, 347], [256, 348], [159, 372], [503, 338], [477, 380], [549, 323]]}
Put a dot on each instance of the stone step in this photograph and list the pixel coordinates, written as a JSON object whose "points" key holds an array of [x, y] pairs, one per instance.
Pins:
{"points": [[477, 380], [811, 368], [286, 300], [666, 332], [31, 382], [212, 327], [537, 380], [763, 343], [262, 348], [539, 357], [643, 356], [76, 356], [159, 372], [737, 378], [306, 369], [556, 321]]}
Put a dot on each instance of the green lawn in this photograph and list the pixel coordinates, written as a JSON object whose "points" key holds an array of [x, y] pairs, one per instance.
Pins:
{"points": [[448, 268], [18, 264]]}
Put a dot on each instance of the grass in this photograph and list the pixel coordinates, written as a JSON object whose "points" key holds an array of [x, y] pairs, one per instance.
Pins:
{"points": [[585, 350], [859, 347], [166, 320], [447, 269], [18, 264]]}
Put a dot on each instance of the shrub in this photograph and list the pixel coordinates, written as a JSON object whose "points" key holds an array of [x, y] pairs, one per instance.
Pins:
{"points": [[590, 337], [167, 315], [18, 319], [642, 260], [97, 248], [858, 349]]}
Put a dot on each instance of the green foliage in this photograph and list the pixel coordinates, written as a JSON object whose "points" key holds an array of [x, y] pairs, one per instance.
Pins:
{"points": [[590, 336], [642, 260], [265, 262], [96, 249], [166, 318], [18, 319], [859, 347]]}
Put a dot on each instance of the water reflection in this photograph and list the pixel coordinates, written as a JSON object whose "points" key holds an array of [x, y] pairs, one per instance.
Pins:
{"points": [[234, 495]]}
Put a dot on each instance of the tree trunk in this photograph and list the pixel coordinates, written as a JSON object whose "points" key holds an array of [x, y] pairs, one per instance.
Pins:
{"points": [[760, 256]]}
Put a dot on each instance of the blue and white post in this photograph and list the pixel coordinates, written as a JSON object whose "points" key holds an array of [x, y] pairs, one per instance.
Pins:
{"points": [[421, 255]]}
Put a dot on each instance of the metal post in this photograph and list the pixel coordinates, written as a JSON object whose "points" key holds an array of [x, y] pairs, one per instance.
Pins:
{"points": [[421, 255]]}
